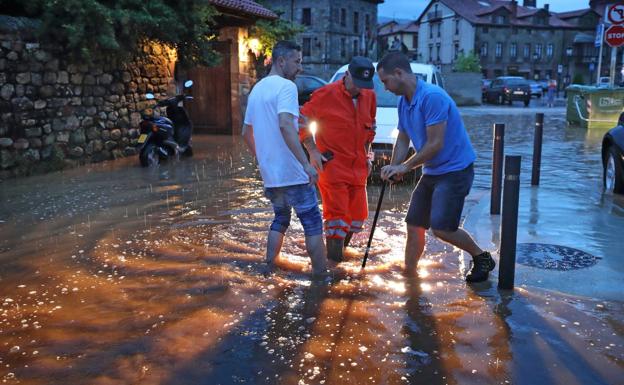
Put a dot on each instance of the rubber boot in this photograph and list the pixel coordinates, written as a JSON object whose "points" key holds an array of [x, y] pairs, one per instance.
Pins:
{"points": [[334, 249]]}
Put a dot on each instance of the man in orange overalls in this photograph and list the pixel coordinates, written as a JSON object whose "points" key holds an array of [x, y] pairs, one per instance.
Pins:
{"points": [[344, 112]]}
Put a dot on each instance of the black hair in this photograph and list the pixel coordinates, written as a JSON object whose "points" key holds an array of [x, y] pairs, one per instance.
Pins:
{"points": [[283, 48], [394, 60]]}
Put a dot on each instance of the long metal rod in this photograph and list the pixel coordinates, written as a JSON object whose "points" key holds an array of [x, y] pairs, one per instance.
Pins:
{"points": [[370, 237], [497, 168], [537, 148], [509, 223]]}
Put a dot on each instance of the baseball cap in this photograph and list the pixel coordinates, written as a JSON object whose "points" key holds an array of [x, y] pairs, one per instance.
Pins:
{"points": [[362, 71]]}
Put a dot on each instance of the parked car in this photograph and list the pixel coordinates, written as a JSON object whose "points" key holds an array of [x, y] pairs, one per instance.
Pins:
{"points": [[485, 83], [506, 89], [387, 115], [603, 81], [613, 159], [306, 84], [536, 89]]}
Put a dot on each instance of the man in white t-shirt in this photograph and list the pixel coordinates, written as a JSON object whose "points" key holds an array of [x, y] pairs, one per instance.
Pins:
{"points": [[271, 132]]}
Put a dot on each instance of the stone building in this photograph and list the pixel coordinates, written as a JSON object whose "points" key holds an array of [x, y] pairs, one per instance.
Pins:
{"points": [[334, 31], [509, 38], [395, 36]]}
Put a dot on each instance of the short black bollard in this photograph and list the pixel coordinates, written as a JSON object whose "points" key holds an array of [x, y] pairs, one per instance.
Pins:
{"points": [[509, 223], [497, 168], [537, 149]]}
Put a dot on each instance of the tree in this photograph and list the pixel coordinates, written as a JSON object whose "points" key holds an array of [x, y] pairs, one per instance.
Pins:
{"points": [[467, 63], [90, 29]]}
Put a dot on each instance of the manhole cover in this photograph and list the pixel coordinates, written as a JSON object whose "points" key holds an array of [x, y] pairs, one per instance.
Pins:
{"points": [[553, 257]]}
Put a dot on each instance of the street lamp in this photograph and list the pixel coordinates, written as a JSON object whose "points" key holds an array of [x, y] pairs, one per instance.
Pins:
{"points": [[569, 51]]}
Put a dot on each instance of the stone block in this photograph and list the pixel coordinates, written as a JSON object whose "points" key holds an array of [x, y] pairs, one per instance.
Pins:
{"points": [[7, 159], [21, 144], [33, 131], [7, 91], [78, 137], [6, 142], [76, 152], [62, 137], [35, 142]]}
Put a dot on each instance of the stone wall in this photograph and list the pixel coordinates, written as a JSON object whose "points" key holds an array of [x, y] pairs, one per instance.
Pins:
{"points": [[463, 87], [55, 114]]}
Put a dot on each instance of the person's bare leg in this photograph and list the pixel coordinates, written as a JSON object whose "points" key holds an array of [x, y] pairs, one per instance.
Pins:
{"points": [[316, 250], [414, 247], [461, 239], [274, 246]]}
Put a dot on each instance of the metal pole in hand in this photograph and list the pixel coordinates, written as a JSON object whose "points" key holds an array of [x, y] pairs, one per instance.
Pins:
{"points": [[497, 168], [509, 223], [370, 237], [537, 149]]}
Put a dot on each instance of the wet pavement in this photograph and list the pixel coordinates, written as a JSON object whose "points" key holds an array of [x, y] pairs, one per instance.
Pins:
{"points": [[113, 274]]}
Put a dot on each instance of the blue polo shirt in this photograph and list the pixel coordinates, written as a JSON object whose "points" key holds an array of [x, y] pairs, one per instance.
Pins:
{"points": [[431, 105]]}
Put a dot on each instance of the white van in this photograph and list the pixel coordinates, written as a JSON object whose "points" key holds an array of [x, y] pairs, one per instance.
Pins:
{"points": [[387, 115]]}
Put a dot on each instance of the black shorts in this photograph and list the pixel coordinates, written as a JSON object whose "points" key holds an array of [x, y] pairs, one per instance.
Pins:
{"points": [[438, 200]]}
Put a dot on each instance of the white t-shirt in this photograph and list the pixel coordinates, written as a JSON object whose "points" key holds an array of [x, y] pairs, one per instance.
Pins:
{"points": [[269, 97]]}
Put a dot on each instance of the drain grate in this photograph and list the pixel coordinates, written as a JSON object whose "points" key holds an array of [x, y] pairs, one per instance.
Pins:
{"points": [[553, 257]]}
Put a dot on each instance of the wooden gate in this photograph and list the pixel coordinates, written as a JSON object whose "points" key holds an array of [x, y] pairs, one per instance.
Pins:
{"points": [[211, 107]]}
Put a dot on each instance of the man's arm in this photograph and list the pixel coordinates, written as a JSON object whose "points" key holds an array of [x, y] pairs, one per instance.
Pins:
{"points": [[306, 137], [435, 142], [249, 138], [291, 137]]}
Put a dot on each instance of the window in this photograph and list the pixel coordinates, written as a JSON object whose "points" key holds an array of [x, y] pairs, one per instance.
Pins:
{"points": [[430, 52], [430, 31], [499, 19], [485, 29], [456, 26], [414, 42], [549, 50], [306, 48], [538, 50], [514, 30], [367, 22], [499, 50], [343, 17], [356, 47], [343, 47], [438, 51], [527, 50], [513, 50], [306, 16], [484, 49], [356, 22], [439, 29], [456, 51]]}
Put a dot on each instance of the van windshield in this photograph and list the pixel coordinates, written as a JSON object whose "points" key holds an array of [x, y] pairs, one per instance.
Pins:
{"points": [[385, 98]]}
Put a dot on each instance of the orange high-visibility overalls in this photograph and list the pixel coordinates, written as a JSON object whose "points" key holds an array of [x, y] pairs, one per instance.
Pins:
{"points": [[345, 128]]}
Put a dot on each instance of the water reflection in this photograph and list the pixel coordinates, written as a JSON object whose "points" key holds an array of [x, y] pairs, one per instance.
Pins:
{"points": [[113, 274]]}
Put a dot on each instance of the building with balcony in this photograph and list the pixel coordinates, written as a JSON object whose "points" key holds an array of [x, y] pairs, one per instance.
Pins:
{"points": [[509, 38], [334, 31], [396, 36]]}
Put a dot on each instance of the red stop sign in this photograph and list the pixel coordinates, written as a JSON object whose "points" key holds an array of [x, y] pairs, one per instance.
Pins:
{"points": [[615, 35]]}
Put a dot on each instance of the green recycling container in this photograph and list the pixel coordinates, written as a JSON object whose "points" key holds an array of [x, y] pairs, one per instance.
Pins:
{"points": [[594, 107]]}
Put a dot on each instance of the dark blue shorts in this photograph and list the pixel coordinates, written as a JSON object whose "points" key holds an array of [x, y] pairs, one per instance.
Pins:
{"points": [[438, 200]]}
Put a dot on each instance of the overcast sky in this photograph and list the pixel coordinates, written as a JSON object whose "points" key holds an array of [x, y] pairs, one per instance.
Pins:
{"points": [[411, 9]]}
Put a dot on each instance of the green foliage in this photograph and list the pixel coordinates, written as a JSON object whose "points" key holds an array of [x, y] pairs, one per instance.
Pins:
{"points": [[89, 29], [578, 79], [467, 63], [268, 32]]}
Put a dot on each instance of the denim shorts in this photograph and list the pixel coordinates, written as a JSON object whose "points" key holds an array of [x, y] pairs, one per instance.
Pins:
{"points": [[303, 199], [438, 200]]}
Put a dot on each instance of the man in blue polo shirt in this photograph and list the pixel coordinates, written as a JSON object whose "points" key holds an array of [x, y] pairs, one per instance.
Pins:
{"points": [[430, 119]]}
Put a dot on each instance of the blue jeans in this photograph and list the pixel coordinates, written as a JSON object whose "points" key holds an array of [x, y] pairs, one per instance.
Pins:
{"points": [[303, 199], [438, 200]]}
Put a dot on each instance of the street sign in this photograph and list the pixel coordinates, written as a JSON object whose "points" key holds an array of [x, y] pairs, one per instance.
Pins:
{"points": [[616, 14], [599, 35], [560, 68], [615, 35]]}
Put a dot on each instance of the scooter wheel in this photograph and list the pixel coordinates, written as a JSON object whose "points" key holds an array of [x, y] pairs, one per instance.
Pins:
{"points": [[149, 156]]}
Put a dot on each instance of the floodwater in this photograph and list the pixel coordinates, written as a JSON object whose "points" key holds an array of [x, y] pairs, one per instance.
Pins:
{"points": [[113, 274]]}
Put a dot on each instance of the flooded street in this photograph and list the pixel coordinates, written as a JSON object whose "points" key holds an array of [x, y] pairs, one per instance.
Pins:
{"points": [[114, 274]]}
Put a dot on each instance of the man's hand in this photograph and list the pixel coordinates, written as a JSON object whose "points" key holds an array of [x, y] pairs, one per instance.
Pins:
{"points": [[317, 159], [311, 171], [393, 173]]}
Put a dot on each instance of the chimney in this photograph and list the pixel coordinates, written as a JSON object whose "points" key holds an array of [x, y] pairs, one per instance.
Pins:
{"points": [[529, 3], [547, 7], [514, 8]]}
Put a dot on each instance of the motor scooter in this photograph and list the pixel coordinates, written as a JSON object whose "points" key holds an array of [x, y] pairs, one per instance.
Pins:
{"points": [[165, 137]]}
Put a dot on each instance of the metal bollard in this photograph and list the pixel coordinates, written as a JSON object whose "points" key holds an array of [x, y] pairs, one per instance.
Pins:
{"points": [[509, 223], [537, 149], [497, 168]]}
